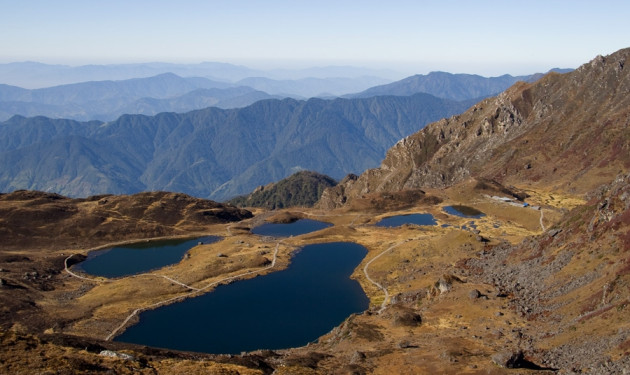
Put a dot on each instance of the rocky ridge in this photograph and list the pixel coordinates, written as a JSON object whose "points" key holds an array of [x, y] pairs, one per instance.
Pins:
{"points": [[565, 131]]}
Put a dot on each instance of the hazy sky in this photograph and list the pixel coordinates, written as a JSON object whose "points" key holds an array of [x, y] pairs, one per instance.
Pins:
{"points": [[472, 36]]}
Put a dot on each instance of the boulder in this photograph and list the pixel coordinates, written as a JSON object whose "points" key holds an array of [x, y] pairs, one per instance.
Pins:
{"points": [[404, 316], [508, 359], [357, 357], [474, 294], [112, 354]]}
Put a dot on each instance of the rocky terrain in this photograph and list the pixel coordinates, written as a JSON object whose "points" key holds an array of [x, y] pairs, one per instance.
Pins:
{"points": [[565, 134], [572, 284]]}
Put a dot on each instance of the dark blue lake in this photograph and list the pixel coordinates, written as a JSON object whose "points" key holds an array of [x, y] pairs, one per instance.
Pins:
{"points": [[283, 309], [398, 220], [464, 211], [295, 228], [138, 258]]}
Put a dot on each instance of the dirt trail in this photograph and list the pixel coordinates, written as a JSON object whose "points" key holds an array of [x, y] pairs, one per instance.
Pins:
{"points": [[381, 287]]}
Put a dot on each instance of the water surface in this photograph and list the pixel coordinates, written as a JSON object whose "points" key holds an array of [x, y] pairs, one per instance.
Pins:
{"points": [[283, 309], [464, 211], [398, 220], [138, 258], [295, 228]]}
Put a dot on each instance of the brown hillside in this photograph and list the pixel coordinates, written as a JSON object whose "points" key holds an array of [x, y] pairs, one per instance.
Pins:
{"points": [[37, 220], [566, 132]]}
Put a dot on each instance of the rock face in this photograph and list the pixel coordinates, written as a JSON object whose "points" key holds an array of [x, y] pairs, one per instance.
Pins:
{"points": [[569, 131], [335, 196]]}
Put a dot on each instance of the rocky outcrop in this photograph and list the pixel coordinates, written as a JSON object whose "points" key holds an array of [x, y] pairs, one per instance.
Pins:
{"points": [[336, 196], [565, 130]]}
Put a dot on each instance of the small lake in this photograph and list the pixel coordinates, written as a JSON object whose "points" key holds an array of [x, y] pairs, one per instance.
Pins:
{"points": [[464, 211], [139, 257], [295, 228], [283, 309], [398, 220]]}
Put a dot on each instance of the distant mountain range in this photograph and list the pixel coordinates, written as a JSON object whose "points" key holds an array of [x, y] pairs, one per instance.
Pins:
{"points": [[37, 75], [167, 92], [107, 100], [311, 87], [450, 86], [212, 152]]}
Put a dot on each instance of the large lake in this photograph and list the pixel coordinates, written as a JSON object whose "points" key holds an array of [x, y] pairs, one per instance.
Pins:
{"points": [[295, 228], [283, 309], [138, 258]]}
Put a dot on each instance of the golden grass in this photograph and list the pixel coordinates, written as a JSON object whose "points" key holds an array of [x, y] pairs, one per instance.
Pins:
{"points": [[417, 258], [423, 247]]}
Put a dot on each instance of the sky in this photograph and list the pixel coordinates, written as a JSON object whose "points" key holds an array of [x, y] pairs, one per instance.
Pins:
{"points": [[481, 36]]}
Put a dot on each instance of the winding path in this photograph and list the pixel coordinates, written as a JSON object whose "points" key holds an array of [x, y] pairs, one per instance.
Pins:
{"points": [[381, 287], [541, 220], [367, 265]]}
